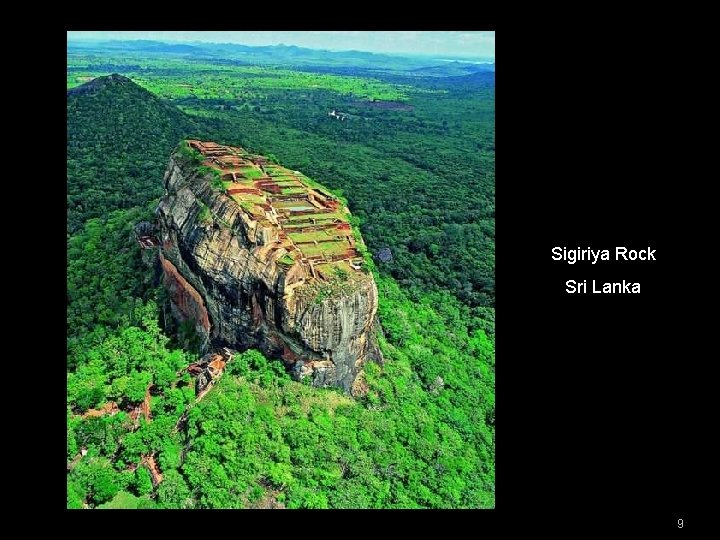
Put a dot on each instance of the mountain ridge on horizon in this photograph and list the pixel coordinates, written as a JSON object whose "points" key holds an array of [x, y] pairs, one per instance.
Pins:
{"points": [[207, 47]]}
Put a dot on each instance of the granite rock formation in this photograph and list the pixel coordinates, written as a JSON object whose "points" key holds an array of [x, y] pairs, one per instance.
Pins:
{"points": [[261, 256]]}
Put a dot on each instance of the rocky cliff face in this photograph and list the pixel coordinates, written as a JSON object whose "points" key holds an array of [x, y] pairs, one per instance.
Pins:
{"points": [[257, 258]]}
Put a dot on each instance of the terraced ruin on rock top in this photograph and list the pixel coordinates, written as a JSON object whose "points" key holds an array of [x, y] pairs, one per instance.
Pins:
{"points": [[311, 224]]}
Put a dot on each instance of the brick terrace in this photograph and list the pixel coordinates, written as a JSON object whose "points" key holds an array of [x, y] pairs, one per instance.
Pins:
{"points": [[311, 224]]}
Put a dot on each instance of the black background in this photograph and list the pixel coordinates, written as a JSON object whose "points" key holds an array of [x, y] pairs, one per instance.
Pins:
{"points": [[602, 400], [600, 396]]}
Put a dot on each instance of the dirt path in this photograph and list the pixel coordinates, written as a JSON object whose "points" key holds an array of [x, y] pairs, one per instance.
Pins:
{"points": [[146, 404], [157, 476], [110, 408], [182, 421], [76, 460], [144, 409]]}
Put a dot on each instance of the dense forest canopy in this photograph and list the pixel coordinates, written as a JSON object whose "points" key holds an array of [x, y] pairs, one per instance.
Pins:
{"points": [[118, 138], [414, 156]]}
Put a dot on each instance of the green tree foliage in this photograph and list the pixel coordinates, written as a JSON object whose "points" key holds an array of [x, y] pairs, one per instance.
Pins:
{"points": [[422, 437], [96, 478], [124, 363], [121, 367], [106, 278], [119, 137], [173, 492], [143, 481], [75, 496], [122, 501]]}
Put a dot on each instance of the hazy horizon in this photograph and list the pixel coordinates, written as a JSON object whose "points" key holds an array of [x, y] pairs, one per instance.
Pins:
{"points": [[479, 45]]}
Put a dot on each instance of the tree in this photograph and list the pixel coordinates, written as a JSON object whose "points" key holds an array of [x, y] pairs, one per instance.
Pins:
{"points": [[173, 492], [143, 481]]}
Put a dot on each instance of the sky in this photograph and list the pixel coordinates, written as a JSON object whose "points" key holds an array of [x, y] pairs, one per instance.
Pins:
{"points": [[468, 44]]}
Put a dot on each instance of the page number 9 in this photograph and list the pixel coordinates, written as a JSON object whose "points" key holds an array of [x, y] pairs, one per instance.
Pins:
{"points": [[681, 524]]}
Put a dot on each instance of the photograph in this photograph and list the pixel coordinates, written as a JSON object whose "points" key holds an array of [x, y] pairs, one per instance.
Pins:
{"points": [[281, 269]]}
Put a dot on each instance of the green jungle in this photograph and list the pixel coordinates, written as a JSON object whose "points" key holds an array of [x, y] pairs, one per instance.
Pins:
{"points": [[414, 156]]}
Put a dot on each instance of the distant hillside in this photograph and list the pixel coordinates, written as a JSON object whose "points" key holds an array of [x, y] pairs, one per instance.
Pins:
{"points": [[140, 45], [450, 69], [287, 55], [118, 139]]}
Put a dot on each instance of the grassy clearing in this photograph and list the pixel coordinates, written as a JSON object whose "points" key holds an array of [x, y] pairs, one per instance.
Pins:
{"points": [[288, 183], [314, 236], [274, 170], [251, 173], [248, 198], [293, 204], [319, 217], [340, 269], [325, 248], [286, 259], [204, 215]]}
